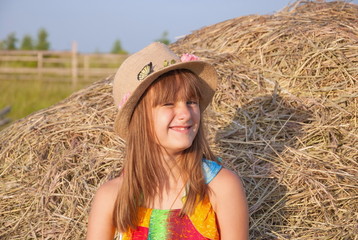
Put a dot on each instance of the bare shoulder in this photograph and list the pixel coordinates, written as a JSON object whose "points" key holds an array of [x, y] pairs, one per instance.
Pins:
{"points": [[225, 181], [109, 188], [100, 222], [106, 195], [229, 201], [108, 191]]}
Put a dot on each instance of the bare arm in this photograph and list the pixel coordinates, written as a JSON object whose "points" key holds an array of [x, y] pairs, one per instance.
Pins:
{"points": [[100, 222], [230, 204]]}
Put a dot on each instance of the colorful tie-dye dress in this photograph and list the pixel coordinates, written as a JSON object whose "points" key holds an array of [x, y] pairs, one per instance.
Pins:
{"points": [[161, 224]]}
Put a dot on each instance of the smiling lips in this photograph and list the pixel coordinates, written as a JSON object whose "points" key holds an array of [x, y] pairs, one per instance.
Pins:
{"points": [[180, 128]]}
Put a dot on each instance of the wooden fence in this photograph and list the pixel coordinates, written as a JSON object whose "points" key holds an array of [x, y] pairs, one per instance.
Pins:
{"points": [[58, 65]]}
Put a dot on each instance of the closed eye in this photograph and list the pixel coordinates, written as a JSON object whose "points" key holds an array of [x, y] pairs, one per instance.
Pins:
{"points": [[191, 102], [168, 104]]}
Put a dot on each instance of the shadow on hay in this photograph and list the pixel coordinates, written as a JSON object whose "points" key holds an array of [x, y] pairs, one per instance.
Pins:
{"points": [[250, 145]]}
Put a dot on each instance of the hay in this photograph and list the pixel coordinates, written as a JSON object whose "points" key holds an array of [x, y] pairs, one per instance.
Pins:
{"points": [[284, 118]]}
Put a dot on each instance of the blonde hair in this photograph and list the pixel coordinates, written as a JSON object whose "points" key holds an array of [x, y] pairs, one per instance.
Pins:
{"points": [[143, 172]]}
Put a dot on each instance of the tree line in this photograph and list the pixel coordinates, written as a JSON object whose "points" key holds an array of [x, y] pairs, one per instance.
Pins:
{"points": [[27, 42], [41, 42]]}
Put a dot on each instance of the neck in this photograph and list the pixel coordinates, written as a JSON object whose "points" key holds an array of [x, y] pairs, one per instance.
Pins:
{"points": [[171, 166], [169, 156], [170, 163]]}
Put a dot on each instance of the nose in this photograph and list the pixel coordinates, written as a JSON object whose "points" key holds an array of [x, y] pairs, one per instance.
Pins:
{"points": [[183, 111]]}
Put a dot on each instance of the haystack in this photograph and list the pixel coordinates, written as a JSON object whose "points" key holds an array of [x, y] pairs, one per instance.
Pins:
{"points": [[284, 118]]}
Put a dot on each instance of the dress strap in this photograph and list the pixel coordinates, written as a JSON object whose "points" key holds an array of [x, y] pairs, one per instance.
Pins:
{"points": [[211, 169]]}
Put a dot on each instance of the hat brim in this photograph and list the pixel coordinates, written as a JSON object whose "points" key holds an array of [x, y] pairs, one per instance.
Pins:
{"points": [[205, 71]]}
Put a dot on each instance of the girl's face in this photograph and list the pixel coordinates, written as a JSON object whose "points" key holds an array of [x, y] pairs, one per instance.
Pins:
{"points": [[176, 125]]}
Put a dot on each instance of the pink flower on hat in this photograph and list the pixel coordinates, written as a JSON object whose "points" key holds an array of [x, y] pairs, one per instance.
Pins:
{"points": [[189, 57], [124, 99]]}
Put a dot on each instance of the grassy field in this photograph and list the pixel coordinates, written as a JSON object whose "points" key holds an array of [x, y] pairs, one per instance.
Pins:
{"points": [[21, 86], [27, 96]]}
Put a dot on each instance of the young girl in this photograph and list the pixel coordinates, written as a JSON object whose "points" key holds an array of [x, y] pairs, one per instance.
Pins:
{"points": [[171, 185]]}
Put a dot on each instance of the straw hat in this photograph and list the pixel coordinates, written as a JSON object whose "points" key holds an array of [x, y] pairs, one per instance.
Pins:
{"points": [[139, 70]]}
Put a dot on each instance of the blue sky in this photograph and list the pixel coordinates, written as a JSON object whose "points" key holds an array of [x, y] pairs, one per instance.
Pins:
{"points": [[95, 24]]}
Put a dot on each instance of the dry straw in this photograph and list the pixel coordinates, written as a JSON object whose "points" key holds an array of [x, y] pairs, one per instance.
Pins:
{"points": [[284, 118]]}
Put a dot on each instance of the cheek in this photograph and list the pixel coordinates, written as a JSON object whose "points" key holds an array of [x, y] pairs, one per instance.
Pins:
{"points": [[196, 118], [197, 115], [161, 119]]}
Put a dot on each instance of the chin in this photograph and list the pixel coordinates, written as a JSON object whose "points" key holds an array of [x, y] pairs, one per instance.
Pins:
{"points": [[180, 148], [186, 146]]}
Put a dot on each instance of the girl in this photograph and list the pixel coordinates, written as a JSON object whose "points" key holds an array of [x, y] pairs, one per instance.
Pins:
{"points": [[171, 185]]}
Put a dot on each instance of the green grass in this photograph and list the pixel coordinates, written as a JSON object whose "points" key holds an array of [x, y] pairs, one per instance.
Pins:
{"points": [[28, 96]]}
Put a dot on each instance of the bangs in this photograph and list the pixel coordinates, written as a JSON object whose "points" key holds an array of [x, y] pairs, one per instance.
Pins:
{"points": [[176, 85]]}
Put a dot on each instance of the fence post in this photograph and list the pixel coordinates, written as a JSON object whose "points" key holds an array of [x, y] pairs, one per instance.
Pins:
{"points": [[74, 64], [39, 64], [86, 65]]}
